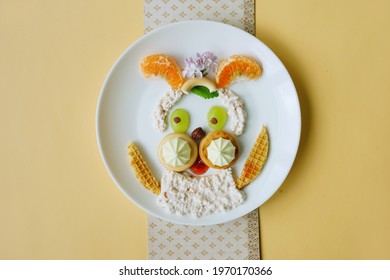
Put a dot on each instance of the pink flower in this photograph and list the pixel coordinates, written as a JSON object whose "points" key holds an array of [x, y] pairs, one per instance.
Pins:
{"points": [[202, 65]]}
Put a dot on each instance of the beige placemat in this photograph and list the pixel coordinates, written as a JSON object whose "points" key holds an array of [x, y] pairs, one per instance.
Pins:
{"points": [[239, 13], [235, 240]]}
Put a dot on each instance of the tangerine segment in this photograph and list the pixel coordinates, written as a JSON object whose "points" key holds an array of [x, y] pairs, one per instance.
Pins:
{"points": [[162, 66], [237, 68]]}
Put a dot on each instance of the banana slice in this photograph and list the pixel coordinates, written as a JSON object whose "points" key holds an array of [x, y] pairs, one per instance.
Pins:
{"points": [[189, 84]]}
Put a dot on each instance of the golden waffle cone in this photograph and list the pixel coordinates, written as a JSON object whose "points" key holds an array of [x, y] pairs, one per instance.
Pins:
{"points": [[142, 171], [256, 160]]}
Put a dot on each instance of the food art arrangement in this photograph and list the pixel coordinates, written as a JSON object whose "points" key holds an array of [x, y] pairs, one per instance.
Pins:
{"points": [[186, 186]]}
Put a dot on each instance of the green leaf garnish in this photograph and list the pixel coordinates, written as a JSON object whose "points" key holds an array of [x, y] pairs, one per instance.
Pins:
{"points": [[204, 92]]}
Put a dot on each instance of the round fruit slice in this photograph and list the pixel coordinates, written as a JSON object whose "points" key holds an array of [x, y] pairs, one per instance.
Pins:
{"points": [[236, 68], [162, 66]]}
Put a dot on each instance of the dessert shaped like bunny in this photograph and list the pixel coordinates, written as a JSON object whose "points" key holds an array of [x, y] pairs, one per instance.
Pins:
{"points": [[179, 191]]}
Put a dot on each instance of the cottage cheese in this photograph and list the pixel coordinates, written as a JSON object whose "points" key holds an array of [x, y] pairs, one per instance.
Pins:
{"points": [[164, 105], [183, 194], [236, 109]]}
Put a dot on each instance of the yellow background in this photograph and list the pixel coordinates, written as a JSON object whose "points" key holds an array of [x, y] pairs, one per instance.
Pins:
{"points": [[58, 202]]}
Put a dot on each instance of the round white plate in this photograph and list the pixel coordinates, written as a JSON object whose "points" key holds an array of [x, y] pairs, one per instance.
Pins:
{"points": [[127, 100]]}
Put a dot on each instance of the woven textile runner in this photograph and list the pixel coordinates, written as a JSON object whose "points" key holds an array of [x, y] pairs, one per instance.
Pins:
{"points": [[235, 240]]}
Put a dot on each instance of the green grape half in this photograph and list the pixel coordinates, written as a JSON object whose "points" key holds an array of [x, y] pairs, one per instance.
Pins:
{"points": [[216, 118], [180, 120]]}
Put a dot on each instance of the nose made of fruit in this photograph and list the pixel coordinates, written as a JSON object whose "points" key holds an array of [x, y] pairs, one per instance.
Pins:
{"points": [[178, 151]]}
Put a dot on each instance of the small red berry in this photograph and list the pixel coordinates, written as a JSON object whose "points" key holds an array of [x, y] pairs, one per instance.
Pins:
{"points": [[199, 167]]}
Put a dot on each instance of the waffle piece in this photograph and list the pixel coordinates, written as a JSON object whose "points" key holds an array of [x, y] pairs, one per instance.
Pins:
{"points": [[256, 160], [142, 170]]}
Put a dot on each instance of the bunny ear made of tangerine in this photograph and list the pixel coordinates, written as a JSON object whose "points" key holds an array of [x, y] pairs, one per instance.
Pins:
{"points": [[162, 66], [237, 68]]}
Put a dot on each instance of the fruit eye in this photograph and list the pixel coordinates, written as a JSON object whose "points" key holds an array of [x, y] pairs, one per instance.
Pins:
{"points": [[216, 118], [180, 120]]}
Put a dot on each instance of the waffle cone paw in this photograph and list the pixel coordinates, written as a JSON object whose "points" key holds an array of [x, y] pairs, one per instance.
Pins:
{"points": [[142, 170], [256, 160]]}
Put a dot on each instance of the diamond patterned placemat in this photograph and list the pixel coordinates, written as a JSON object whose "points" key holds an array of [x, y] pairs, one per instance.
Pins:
{"points": [[235, 240], [238, 239], [239, 13]]}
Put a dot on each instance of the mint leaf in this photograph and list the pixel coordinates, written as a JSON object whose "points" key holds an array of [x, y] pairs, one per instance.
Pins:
{"points": [[204, 92]]}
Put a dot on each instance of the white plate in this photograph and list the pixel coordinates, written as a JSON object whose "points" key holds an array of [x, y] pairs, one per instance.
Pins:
{"points": [[127, 100]]}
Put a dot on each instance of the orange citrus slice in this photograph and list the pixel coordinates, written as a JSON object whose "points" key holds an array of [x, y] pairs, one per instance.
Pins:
{"points": [[162, 66], [236, 68]]}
